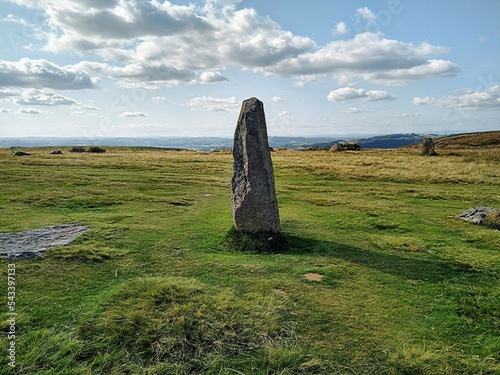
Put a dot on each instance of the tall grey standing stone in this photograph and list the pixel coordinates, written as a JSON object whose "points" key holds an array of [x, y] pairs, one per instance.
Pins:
{"points": [[255, 208], [428, 147]]}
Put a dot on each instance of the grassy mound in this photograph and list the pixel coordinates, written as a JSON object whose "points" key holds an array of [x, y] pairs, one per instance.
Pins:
{"points": [[483, 139], [164, 325], [493, 219]]}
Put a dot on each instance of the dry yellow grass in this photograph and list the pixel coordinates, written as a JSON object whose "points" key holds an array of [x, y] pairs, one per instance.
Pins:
{"points": [[464, 166]]}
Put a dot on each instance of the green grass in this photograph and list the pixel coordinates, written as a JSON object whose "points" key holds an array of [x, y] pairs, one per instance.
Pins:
{"points": [[156, 287]]}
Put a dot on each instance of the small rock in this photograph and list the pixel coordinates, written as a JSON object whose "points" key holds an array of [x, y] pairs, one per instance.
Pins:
{"points": [[22, 153], [56, 152]]}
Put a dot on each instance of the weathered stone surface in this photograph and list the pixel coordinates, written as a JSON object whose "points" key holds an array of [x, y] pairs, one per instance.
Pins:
{"points": [[30, 244], [428, 147], [479, 215], [255, 208]]}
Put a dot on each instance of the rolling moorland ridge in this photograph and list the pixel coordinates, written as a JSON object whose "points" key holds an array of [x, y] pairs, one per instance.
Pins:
{"points": [[380, 277], [215, 143]]}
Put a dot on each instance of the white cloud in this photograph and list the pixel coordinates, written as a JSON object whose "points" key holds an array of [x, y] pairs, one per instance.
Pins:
{"points": [[134, 114], [120, 20], [155, 44], [430, 69], [305, 79], [5, 110], [277, 99], [43, 74], [158, 99], [43, 97], [341, 28], [284, 113], [353, 110], [160, 44], [30, 111], [349, 93], [486, 99], [208, 103], [366, 13], [372, 57], [142, 75], [211, 77], [12, 18], [89, 108], [7, 93]]}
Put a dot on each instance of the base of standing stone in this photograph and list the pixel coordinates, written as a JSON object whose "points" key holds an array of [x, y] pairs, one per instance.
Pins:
{"points": [[260, 242]]}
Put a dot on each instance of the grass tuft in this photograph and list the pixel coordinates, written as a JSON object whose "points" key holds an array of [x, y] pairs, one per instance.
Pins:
{"points": [[180, 323], [492, 219], [84, 253]]}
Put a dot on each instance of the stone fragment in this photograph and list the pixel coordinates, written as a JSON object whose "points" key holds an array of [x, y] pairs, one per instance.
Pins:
{"points": [[255, 208]]}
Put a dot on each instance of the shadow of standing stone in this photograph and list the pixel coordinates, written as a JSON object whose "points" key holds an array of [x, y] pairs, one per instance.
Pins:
{"points": [[254, 203]]}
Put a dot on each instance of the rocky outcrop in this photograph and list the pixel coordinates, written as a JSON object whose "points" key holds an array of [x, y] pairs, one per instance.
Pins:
{"points": [[255, 208]]}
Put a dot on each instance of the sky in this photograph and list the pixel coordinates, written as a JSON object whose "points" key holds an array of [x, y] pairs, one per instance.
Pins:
{"points": [[153, 68]]}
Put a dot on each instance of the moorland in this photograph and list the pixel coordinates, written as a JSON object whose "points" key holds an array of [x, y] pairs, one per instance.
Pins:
{"points": [[400, 286]]}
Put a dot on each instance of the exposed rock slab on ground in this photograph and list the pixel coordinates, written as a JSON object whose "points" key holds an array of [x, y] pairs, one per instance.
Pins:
{"points": [[478, 215], [30, 244]]}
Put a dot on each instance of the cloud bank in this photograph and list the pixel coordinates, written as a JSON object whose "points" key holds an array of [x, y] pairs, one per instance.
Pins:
{"points": [[159, 44], [472, 100]]}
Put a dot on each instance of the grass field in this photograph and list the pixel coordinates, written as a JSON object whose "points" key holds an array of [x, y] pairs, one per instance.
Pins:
{"points": [[152, 287]]}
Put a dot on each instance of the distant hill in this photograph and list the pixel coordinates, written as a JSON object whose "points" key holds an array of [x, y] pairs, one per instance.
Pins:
{"points": [[483, 139], [210, 143], [380, 141], [466, 140], [391, 140]]}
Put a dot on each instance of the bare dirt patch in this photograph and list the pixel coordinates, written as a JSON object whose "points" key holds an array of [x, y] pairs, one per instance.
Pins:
{"points": [[311, 276], [30, 244]]}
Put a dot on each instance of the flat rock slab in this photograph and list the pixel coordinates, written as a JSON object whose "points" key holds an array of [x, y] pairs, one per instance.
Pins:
{"points": [[30, 244]]}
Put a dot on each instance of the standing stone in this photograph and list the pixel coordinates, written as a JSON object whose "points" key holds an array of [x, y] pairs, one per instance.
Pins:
{"points": [[255, 208], [428, 147]]}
